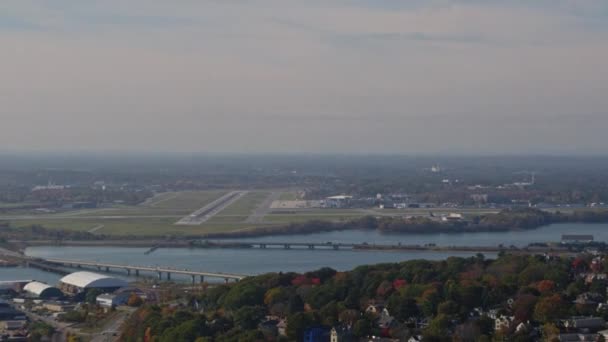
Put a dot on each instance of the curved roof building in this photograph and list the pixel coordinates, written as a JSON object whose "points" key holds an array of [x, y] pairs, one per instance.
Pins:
{"points": [[90, 280], [42, 290]]}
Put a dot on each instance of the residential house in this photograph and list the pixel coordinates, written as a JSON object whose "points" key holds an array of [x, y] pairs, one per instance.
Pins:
{"points": [[269, 327], [282, 327], [590, 277], [384, 320], [589, 299], [577, 337], [341, 333], [587, 323], [503, 322]]}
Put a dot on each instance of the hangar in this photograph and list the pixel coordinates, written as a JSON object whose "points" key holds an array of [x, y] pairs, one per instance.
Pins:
{"points": [[80, 282], [41, 290]]}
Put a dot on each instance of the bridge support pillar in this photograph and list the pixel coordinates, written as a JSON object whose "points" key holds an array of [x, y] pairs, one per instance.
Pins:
{"points": [[193, 279], [226, 280], [137, 273], [128, 271], [99, 268], [160, 276], [168, 276], [107, 269], [202, 278], [311, 246]]}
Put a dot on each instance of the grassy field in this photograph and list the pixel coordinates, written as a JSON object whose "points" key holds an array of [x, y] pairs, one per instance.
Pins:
{"points": [[132, 226], [289, 196], [298, 218], [187, 200], [246, 204], [158, 215], [155, 217], [174, 204]]}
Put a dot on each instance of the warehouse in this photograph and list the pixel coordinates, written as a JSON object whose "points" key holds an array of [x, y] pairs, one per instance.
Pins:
{"points": [[80, 282], [40, 290]]}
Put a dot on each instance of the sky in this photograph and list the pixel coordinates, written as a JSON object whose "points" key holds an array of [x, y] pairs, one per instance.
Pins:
{"points": [[308, 76]]}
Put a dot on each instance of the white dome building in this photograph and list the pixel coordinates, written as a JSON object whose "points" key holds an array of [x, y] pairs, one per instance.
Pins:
{"points": [[40, 290], [79, 282]]}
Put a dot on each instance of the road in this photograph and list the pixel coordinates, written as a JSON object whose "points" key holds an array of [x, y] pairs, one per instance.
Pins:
{"points": [[111, 331]]}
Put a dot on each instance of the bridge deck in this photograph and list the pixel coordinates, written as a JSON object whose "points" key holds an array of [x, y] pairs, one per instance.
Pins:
{"points": [[145, 268]]}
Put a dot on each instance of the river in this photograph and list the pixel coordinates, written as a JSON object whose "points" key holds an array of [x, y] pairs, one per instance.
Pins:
{"points": [[256, 261]]}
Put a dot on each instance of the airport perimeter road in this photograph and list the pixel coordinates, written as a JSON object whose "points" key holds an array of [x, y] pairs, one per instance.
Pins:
{"points": [[205, 213]]}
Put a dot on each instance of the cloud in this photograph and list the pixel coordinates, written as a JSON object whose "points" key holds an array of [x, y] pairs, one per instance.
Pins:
{"points": [[407, 76]]}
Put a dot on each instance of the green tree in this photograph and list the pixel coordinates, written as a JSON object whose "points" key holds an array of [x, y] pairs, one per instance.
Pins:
{"points": [[438, 328], [244, 293], [448, 308], [295, 304], [248, 317], [402, 308], [329, 314], [297, 324], [363, 327], [550, 308], [91, 295]]}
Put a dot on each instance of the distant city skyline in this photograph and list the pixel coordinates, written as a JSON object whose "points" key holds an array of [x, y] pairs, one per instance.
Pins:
{"points": [[282, 76]]}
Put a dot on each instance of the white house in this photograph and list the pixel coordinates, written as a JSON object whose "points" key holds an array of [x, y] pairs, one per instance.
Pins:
{"points": [[503, 322]]}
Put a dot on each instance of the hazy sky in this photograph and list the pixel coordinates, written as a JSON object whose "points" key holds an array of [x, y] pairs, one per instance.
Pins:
{"points": [[393, 76]]}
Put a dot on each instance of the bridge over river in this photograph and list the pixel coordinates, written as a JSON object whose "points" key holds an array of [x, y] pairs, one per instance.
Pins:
{"points": [[159, 270], [153, 245], [55, 265], [369, 246]]}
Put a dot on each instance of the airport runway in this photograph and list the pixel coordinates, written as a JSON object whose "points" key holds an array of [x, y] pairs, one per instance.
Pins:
{"points": [[205, 213]]}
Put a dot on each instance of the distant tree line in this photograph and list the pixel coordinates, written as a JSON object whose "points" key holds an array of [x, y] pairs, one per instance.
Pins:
{"points": [[508, 219]]}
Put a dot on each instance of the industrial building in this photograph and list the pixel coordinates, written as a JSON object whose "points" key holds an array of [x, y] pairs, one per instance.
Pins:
{"points": [[576, 238], [341, 201], [40, 290], [80, 282], [109, 300]]}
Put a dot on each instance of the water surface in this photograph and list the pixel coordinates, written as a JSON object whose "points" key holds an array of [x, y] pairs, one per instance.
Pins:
{"points": [[256, 261]]}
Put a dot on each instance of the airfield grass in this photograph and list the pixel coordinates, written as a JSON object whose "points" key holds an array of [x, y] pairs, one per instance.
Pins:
{"points": [[187, 200], [297, 218], [226, 219], [245, 205], [134, 226], [4, 205], [289, 196], [131, 211], [177, 204], [158, 215]]}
